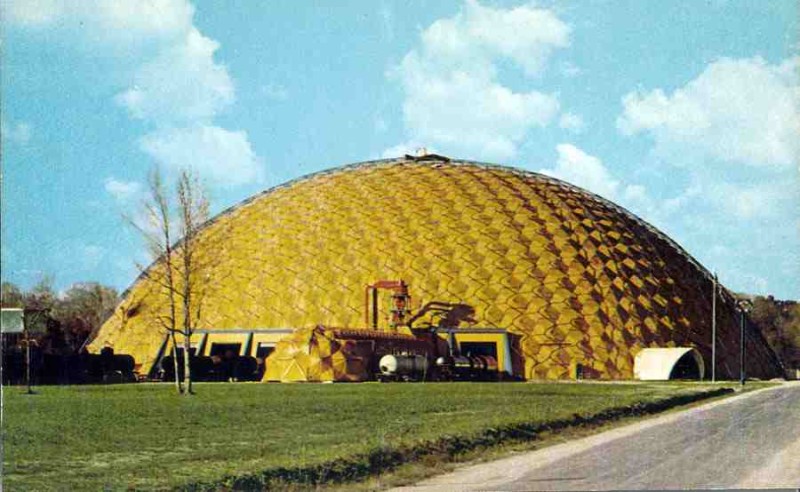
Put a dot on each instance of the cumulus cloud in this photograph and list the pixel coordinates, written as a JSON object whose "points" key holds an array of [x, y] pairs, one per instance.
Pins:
{"points": [[120, 21], [732, 131], [581, 169], [739, 122], [526, 35], [175, 85], [453, 97], [182, 84], [587, 171], [738, 110], [222, 155]]}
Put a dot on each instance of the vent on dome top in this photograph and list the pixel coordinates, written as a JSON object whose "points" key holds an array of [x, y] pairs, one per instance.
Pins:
{"points": [[423, 156]]}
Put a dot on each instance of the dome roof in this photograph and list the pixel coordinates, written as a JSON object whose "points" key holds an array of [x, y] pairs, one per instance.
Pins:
{"points": [[579, 279]]}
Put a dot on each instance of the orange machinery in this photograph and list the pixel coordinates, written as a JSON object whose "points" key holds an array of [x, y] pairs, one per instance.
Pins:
{"points": [[400, 302]]}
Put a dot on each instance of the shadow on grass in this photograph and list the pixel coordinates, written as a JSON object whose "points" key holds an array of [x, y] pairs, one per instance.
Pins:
{"points": [[384, 459]]}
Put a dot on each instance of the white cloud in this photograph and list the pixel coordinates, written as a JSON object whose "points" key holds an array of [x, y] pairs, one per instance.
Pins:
{"points": [[453, 98], [32, 12], [129, 21], [175, 85], [733, 132], [525, 35], [587, 171], [471, 112], [738, 110], [19, 133], [571, 122], [123, 191], [737, 123], [144, 16], [581, 169], [221, 155], [183, 84]]}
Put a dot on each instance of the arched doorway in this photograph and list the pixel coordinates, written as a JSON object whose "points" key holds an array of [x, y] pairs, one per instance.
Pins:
{"points": [[661, 364]]}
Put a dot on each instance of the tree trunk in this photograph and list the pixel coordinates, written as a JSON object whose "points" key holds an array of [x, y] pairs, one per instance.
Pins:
{"points": [[187, 371], [178, 386]]}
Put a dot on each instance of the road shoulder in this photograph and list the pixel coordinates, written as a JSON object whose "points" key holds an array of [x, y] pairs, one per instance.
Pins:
{"points": [[487, 475]]}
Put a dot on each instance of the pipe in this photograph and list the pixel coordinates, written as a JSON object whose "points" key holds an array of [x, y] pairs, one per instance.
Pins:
{"points": [[375, 308], [366, 306]]}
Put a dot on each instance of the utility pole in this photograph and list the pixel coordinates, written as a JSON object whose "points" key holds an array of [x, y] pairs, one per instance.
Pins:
{"points": [[744, 307], [741, 350], [714, 330]]}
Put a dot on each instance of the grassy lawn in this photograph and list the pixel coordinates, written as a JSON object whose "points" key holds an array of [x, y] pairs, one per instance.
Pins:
{"points": [[145, 436]]}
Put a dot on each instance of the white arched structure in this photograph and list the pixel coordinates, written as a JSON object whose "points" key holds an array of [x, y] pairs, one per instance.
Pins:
{"points": [[660, 364]]}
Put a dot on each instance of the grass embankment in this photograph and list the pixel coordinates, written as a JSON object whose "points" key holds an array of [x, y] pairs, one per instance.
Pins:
{"points": [[145, 436]]}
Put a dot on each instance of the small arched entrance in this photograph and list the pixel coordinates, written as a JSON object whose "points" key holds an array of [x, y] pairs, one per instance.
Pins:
{"points": [[662, 364]]}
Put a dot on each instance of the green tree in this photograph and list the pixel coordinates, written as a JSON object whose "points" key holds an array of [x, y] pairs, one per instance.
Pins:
{"points": [[11, 296], [792, 331], [42, 297], [779, 322]]}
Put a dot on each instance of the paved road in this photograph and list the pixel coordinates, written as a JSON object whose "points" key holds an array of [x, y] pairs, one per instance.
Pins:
{"points": [[748, 441]]}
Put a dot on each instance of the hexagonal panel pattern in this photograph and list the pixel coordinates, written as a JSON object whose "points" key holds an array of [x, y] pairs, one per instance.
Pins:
{"points": [[579, 279]]}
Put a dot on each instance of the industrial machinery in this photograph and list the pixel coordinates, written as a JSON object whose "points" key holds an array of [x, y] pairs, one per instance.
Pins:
{"points": [[400, 300], [432, 362], [467, 368], [403, 367]]}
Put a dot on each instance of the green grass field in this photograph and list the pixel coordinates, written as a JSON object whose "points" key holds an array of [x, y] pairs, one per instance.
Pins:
{"points": [[145, 436]]}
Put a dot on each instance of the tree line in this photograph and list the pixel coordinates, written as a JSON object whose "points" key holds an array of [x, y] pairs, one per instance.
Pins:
{"points": [[169, 223], [779, 322], [70, 317]]}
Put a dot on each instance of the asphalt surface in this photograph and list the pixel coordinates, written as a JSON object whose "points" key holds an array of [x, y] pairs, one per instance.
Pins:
{"points": [[748, 441]]}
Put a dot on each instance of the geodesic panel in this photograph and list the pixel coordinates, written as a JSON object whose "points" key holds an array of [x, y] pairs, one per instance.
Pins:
{"points": [[579, 279]]}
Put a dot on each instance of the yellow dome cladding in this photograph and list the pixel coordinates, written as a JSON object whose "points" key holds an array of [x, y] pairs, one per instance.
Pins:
{"points": [[580, 280]]}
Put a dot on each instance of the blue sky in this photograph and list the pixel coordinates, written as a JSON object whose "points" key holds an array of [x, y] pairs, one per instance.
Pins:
{"points": [[685, 112]]}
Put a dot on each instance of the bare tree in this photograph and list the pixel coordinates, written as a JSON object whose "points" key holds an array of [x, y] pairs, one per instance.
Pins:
{"points": [[177, 272], [193, 210]]}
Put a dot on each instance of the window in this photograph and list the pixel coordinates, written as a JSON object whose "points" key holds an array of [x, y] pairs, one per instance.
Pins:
{"points": [[226, 350], [264, 349], [192, 352], [479, 348]]}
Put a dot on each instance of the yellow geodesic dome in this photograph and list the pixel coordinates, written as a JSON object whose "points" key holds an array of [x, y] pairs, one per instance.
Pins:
{"points": [[578, 279]]}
